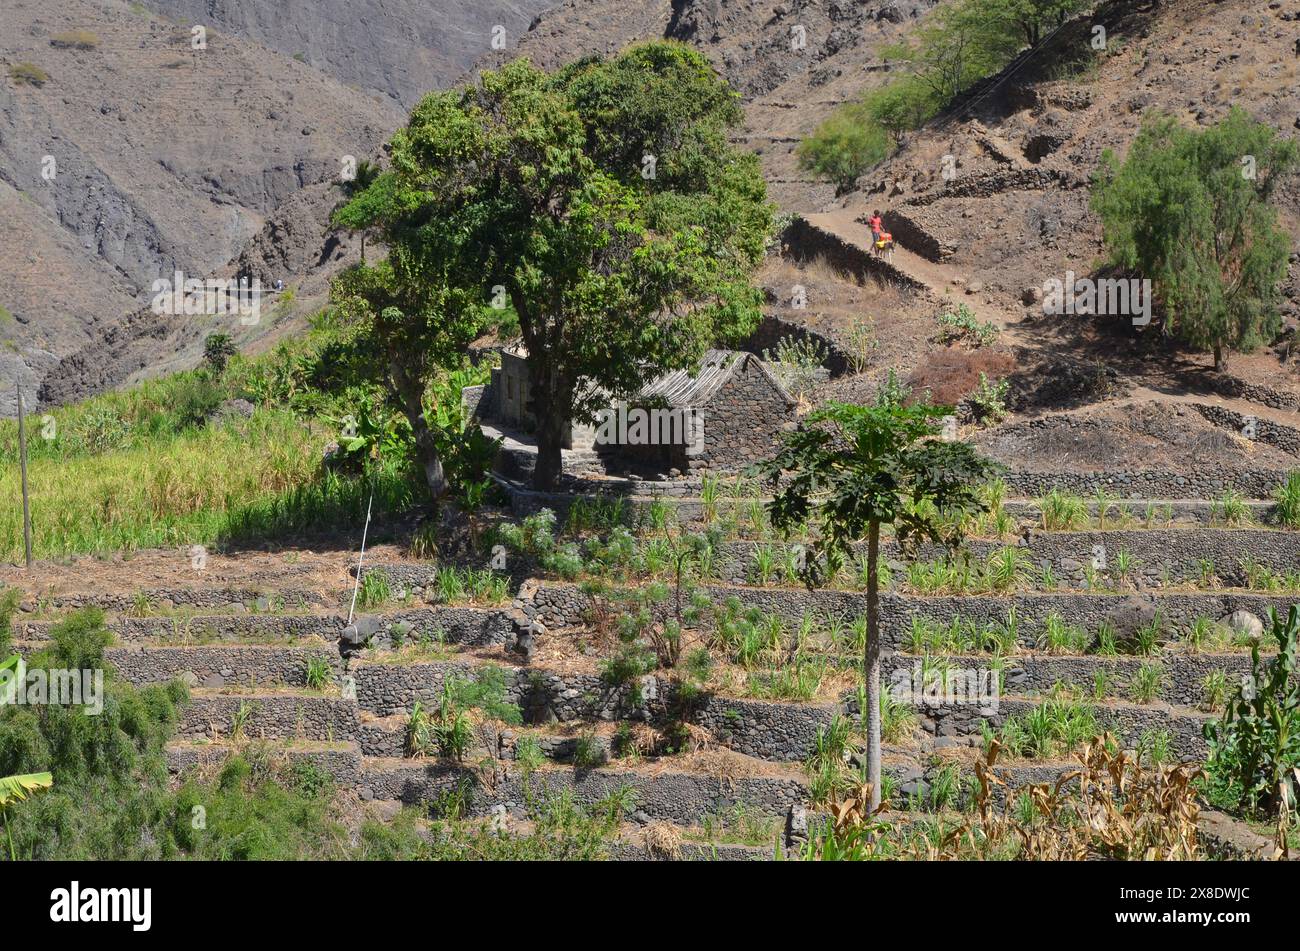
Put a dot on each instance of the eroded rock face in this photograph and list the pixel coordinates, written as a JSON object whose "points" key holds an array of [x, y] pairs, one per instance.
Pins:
{"points": [[174, 163], [395, 49]]}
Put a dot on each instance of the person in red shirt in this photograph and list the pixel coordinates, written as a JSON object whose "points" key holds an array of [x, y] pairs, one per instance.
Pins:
{"points": [[876, 225]]}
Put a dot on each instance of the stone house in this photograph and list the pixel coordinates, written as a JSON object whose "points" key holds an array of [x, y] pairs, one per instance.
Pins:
{"points": [[722, 417]]}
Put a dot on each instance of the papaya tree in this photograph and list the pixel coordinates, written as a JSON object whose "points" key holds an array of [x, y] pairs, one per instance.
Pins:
{"points": [[850, 470]]}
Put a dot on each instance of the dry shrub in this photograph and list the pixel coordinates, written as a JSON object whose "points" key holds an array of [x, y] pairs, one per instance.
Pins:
{"points": [[28, 74], [75, 40], [950, 374], [663, 840], [1111, 807], [1121, 810]]}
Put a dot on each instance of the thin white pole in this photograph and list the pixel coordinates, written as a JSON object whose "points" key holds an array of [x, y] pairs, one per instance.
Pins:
{"points": [[356, 585]]}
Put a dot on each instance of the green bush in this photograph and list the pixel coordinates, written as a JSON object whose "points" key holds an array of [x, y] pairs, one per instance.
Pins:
{"points": [[844, 146], [1188, 209], [988, 403], [1255, 749]]}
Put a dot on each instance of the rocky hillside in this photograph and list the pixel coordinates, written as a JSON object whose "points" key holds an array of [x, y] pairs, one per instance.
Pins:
{"points": [[131, 155], [395, 49]]}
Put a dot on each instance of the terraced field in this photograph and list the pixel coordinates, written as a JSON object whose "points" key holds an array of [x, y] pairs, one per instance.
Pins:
{"points": [[491, 690]]}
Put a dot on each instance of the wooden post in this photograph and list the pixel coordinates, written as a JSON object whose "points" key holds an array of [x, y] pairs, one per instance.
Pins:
{"points": [[22, 465]]}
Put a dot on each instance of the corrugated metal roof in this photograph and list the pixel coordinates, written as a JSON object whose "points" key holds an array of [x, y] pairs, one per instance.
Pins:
{"points": [[679, 388], [682, 389]]}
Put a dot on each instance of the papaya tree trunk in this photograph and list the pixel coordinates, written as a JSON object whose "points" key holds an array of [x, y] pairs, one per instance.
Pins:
{"points": [[871, 662]]}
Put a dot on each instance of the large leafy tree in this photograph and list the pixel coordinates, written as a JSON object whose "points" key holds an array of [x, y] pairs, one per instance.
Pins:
{"points": [[603, 203], [1189, 210], [848, 471]]}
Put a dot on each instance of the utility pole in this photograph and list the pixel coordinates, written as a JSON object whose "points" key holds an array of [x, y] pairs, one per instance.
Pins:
{"points": [[22, 465]]}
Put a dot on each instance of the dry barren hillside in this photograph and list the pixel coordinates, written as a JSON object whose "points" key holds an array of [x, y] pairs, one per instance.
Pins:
{"points": [[394, 49], [129, 154]]}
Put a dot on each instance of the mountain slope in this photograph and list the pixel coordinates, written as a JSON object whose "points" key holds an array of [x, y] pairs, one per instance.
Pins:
{"points": [[163, 158], [397, 49], [792, 61]]}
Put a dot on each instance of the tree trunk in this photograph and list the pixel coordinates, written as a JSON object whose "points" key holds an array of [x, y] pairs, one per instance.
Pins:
{"points": [[411, 394], [1220, 358], [551, 412], [871, 662], [550, 436]]}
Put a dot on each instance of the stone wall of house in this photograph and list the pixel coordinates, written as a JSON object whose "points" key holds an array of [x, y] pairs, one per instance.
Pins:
{"points": [[743, 422]]}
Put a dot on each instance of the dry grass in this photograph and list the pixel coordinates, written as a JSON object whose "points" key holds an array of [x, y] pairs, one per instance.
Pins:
{"points": [[75, 40]]}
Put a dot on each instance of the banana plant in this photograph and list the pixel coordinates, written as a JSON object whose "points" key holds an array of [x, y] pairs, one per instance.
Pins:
{"points": [[15, 789]]}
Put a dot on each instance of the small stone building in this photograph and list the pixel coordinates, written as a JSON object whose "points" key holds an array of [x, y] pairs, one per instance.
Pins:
{"points": [[740, 410], [723, 417]]}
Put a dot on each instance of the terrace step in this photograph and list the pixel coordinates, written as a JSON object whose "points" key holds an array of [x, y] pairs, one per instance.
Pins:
{"points": [[340, 761], [217, 666], [1183, 674], [638, 844], [267, 714], [559, 605], [462, 625], [184, 597], [661, 791]]}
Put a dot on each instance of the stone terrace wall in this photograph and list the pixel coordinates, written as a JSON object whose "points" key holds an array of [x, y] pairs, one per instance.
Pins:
{"points": [[543, 697], [567, 606], [1266, 431], [219, 667], [1254, 484], [271, 716], [343, 765], [1184, 674], [1161, 556], [682, 798], [472, 626], [811, 241], [234, 600]]}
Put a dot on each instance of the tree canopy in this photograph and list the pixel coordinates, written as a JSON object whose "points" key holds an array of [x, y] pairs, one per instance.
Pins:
{"points": [[602, 205], [1188, 209]]}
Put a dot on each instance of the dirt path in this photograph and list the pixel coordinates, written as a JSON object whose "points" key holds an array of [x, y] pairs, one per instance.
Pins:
{"points": [[936, 277]]}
